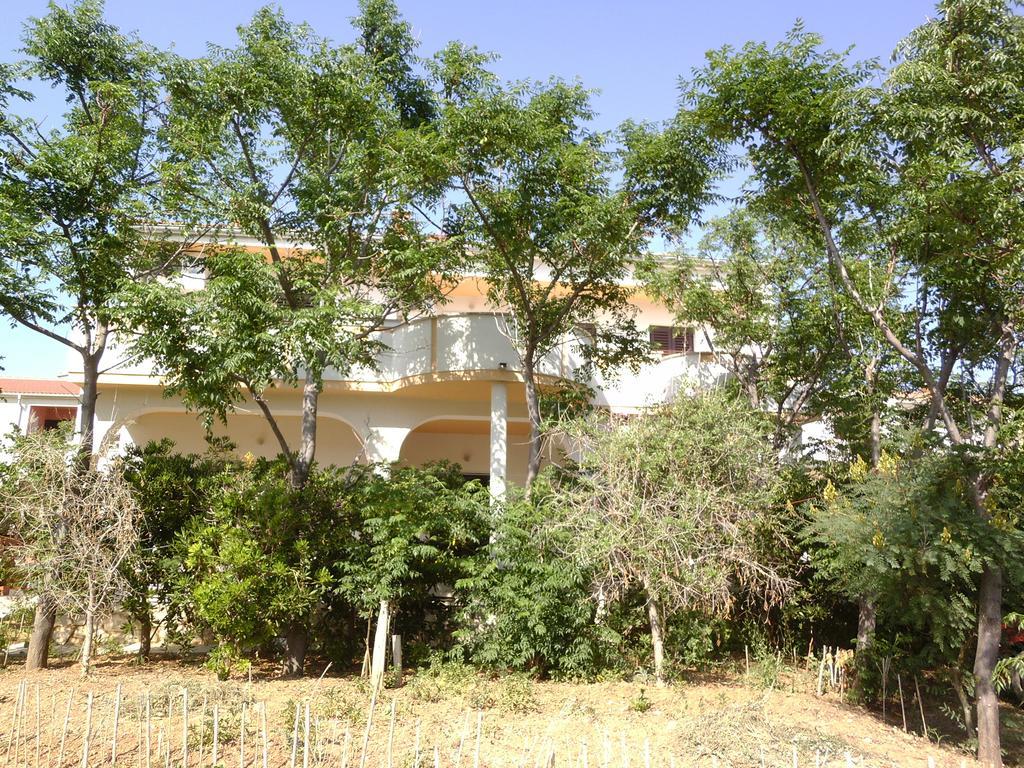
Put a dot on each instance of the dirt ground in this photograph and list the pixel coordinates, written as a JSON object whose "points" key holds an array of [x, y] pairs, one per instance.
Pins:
{"points": [[452, 719]]}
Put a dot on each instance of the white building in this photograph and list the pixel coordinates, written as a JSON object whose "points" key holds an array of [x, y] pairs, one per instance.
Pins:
{"points": [[447, 387]]}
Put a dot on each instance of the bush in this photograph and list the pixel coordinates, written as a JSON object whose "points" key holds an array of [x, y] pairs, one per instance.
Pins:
{"points": [[526, 607]]}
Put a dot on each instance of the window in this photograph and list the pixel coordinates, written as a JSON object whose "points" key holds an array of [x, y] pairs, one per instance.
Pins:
{"points": [[669, 339]]}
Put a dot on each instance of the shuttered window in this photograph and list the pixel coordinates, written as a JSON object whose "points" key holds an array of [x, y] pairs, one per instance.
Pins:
{"points": [[669, 339]]}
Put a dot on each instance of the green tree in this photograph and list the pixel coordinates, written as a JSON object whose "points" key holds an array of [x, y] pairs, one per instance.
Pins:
{"points": [[77, 198], [681, 503], [929, 166], [313, 149], [536, 202], [171, 489], [257, 564]]}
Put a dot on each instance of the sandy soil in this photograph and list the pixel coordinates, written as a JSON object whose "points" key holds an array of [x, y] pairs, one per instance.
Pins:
{"points": [[470, 720]]}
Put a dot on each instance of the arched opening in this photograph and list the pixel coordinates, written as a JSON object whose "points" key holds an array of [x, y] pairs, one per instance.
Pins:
{"points": [[466, 442], [337, 443]]}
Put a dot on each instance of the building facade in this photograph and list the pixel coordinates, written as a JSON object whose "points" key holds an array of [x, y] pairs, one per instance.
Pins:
{"points": [[446, 387]]}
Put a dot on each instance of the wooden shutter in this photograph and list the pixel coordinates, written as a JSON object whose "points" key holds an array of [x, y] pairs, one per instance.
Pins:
{"points": [[670, 340]]}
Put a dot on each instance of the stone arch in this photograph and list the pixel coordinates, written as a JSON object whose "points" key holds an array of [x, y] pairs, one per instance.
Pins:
{"points": [[338, 442]]}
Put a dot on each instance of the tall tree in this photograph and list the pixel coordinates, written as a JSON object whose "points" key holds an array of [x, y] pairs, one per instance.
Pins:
{"points": [[536, 202], [315, 150], [75, 198], [930, 165]]}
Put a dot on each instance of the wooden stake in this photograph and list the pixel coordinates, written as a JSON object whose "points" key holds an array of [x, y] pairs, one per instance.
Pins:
{"points": [[202, 733], [263, 729], [920, 705], [216, 736], [117, 717], [344, 751], [64, 730], [88, 732], [184, 727], [38, 718], [479, 726], [903, 709], [241, 738], [305, 738], [295, 737], [149, 730], [369, 725], [416, 747], [391, 737]]}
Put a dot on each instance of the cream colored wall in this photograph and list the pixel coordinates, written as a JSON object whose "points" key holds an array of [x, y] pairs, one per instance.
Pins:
{"points": [[337, 443], [470, 451]]}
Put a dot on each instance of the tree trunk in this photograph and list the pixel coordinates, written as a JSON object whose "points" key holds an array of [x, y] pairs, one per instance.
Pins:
{"points": [[533, 412], [42, 632], [657, 639], [396, 658], [145, 632], [990, 598], [965, 705], [307, 439], [296, 643], [380, 646], [865, 623], [87, 421], [90, 630]]}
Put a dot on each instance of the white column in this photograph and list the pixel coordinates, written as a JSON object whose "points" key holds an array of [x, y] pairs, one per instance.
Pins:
{"points": [[383, 444], [499, 438]]}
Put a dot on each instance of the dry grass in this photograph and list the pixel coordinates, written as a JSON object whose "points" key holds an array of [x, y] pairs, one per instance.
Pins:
{"points": [[708, 722]]}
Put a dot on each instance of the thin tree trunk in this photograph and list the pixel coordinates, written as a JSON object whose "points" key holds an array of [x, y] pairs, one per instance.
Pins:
{"points": [[42, 632], [296, 645], [380, 646], [90, 392], [90, 629], [865, 623], [533, 412], [307, 440], [657, 638], [145, 632], [990, 596], [965, 704]]}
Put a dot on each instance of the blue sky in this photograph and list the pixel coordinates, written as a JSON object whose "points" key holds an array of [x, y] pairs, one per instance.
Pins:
{"points": [[631, 52]]}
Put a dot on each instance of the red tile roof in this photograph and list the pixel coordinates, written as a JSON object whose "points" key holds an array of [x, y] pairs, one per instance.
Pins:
{"points": [[38, 387]]}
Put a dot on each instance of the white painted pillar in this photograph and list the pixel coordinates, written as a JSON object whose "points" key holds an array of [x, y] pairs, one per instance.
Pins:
{"points": [[383, 444], [499, 439]]}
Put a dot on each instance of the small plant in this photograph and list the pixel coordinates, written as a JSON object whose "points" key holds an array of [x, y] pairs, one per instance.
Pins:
{"points": [[517, 694], [641, 703], [226, 659]]}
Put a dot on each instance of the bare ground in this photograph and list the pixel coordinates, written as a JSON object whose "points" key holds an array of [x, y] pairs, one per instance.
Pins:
{"points": [[722, 720]]}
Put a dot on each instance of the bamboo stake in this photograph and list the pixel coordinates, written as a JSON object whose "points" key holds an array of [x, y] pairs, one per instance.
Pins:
{"points": [[184, 727], [202, 733], [344, 751], [920, 704], [295, 737], [19, 708], [305, 738], [903, 709], [149, 729], [479, 725], [216, 736], [49, 741], [38, 719], [64, 730], [241, 738], [142, 726], [416, 747], [369, 725], [88, 732], [117, 717], [391, 737], [462, 739], [263, 729]]}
